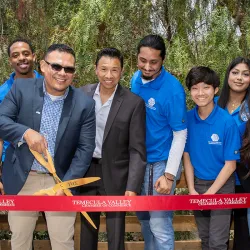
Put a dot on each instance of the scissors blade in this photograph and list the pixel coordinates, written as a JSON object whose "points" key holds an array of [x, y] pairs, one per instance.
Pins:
{"points": [[89, 219], [68, 193], [51, 165], [89, 180], [39, 158], [75, 183]]}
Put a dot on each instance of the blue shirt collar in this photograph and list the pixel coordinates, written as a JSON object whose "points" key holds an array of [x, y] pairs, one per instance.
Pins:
{"points": [[154, 84], [12, 75], [211, 118]]}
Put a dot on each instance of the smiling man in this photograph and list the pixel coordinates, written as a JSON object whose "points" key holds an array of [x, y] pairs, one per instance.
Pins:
{"points": [[213, 130], [45, 114], [166, 131], [120, 155], [21, 58]]}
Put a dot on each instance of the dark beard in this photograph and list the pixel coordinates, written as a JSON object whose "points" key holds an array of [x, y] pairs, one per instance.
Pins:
{"points": [[147, 78], [24, 73]]}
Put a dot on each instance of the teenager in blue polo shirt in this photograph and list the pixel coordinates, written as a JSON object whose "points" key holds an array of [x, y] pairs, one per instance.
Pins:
{"points": [[210, 155], [166, 133], [21, 58]]}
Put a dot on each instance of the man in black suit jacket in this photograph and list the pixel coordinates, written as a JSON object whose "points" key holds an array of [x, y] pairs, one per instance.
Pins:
{"points": [[120, 156], [42, 114]]}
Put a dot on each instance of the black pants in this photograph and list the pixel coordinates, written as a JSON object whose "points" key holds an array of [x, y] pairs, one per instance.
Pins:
{"points": [[115, 221], [241, 232]]}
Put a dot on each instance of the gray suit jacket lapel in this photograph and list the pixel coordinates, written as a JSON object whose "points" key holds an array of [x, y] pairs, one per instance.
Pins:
{"points": [[68, 107], [37, 104]]}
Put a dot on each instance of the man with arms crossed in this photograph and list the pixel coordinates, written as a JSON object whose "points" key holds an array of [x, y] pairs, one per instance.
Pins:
{"points": [[166, 135], [21, 58], [46, 114], [120, 155]]}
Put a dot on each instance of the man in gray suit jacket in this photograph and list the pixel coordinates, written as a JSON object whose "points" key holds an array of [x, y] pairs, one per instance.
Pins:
{"points": [[120, 155], [42, 114]]}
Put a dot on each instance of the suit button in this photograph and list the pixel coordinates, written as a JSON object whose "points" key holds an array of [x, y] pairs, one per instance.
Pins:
{"points": [[26, 172]]}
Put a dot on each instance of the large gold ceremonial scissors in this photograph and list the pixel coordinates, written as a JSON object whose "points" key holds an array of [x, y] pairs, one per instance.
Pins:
{"points": [[49, 165]]}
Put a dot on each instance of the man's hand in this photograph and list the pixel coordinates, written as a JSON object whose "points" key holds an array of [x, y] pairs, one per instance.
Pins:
{"points": [[209, 192], [36, 141], [130, 193], [1, 148], [60, 193], [1, 188], [193, 192], [163, 185]]}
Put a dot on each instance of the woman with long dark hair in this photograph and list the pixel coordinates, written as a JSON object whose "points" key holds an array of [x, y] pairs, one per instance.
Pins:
{"points": [[234, 98]]}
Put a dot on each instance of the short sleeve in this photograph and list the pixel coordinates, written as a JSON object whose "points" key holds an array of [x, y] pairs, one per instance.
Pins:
{"points": [[232, 143], [176, 112]]}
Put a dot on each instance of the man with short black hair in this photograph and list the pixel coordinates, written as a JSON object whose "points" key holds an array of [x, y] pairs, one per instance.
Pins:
{"points": [[213, 130], [120, 155], [166, 132], [21, 58], [46, 114]]}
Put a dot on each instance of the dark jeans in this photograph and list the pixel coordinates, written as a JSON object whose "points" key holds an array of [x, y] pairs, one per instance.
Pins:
{"points": [[214, 225]]}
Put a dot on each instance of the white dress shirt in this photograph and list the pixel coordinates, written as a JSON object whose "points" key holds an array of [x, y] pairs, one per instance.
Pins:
{"points": [[101, 112]]}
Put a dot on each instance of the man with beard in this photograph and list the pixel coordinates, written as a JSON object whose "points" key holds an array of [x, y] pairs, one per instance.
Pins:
{"points": [[21, 58], [166, 132]]}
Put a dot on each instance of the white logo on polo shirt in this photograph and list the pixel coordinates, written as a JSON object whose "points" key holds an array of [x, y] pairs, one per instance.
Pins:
{"points": [[215, 140], [151, 103], [215, 137]]}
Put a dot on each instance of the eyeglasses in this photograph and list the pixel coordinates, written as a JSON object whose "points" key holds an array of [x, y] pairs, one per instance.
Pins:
{"points": [[58, 68]]}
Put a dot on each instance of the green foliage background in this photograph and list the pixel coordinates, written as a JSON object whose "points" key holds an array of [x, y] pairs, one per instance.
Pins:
{"points": [[196, 32], [208, 32]]}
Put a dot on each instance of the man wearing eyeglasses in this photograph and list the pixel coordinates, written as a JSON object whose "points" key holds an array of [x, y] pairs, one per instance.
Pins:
{"points": [[46, 114], [21, 58]]}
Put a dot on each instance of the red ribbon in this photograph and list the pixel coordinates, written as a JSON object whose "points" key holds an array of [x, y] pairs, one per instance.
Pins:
{"points": [[124, 203]]}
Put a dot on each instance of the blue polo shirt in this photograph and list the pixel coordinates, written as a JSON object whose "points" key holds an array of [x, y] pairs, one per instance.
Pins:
{"points": [[242, 128], [211, 142], [240, 119], [165, 102], [4, 89]]}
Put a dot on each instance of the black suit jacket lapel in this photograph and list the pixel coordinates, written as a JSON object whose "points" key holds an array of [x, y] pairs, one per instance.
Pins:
{"points": [[117, 101], [37, 104], [68, 107]]}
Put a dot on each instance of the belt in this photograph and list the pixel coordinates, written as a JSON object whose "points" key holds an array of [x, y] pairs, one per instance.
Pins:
{"points": [[97, 160], [40, 172]]}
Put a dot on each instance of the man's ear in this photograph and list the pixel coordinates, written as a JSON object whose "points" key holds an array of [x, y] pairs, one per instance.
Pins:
{"points": [[34, 57], [43, 64], [216, 90], [95, 69], [10, 61]]}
